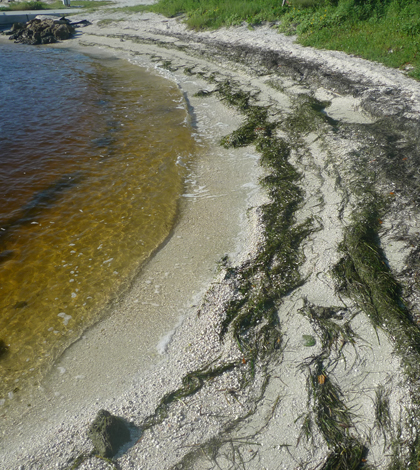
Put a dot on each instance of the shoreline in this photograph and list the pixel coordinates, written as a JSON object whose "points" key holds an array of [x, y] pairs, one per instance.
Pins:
{"points": [[221, 186], [223, 411]]}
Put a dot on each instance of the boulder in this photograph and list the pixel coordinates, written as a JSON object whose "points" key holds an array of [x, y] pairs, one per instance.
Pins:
{"points": [[108, 433], [63, 31], [42, 31]]}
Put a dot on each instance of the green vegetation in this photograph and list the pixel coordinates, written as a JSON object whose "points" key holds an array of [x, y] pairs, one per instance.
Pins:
{"points": [[333, 336], [382, 412], [252, 317], [363, 275], [216, 13], [191, 384], [387, 31], [34, 5], [39, 5], [135, 8], [333, 419], [328, 410], [107, 22]]}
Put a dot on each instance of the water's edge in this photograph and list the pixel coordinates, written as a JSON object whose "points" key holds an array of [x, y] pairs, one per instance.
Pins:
{"points": [[218, 409]]}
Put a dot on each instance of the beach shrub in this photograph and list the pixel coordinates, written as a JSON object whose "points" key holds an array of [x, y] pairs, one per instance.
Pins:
{"points": [[213, 14], [386, 31], [58, 5], [33, 5]]}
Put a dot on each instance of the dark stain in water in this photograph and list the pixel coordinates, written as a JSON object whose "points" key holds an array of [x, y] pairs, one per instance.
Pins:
{"points": [[3, 349], [6, 255], [21, 304]]}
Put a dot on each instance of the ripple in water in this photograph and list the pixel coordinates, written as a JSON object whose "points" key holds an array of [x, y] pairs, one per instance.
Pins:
{"points": [[88, 189]]}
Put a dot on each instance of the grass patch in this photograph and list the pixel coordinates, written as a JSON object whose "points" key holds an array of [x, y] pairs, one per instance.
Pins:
{"points": [[383, 31], [38, 5], [135, 8], [387, 31], [21, 6], [213, 14]]}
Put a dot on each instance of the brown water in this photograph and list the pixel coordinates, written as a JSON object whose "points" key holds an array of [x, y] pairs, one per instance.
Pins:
{"points": [[89, 182]]}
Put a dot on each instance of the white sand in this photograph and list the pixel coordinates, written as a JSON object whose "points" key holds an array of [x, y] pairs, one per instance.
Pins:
{"points": [[126, 367]]}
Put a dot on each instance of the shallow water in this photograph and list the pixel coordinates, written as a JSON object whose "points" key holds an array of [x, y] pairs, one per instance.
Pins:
{"points": [[90, 174]]}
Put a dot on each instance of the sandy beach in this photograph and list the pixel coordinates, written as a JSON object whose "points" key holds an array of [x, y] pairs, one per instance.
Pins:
{"points": [[234, 407]]}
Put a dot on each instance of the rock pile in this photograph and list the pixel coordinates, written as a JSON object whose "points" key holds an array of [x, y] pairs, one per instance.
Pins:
{"points": [[42, 31]]}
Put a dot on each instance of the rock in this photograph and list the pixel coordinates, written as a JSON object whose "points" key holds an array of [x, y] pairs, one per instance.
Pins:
{"points": [[108, 433], [42, 31], [63, 31]]}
